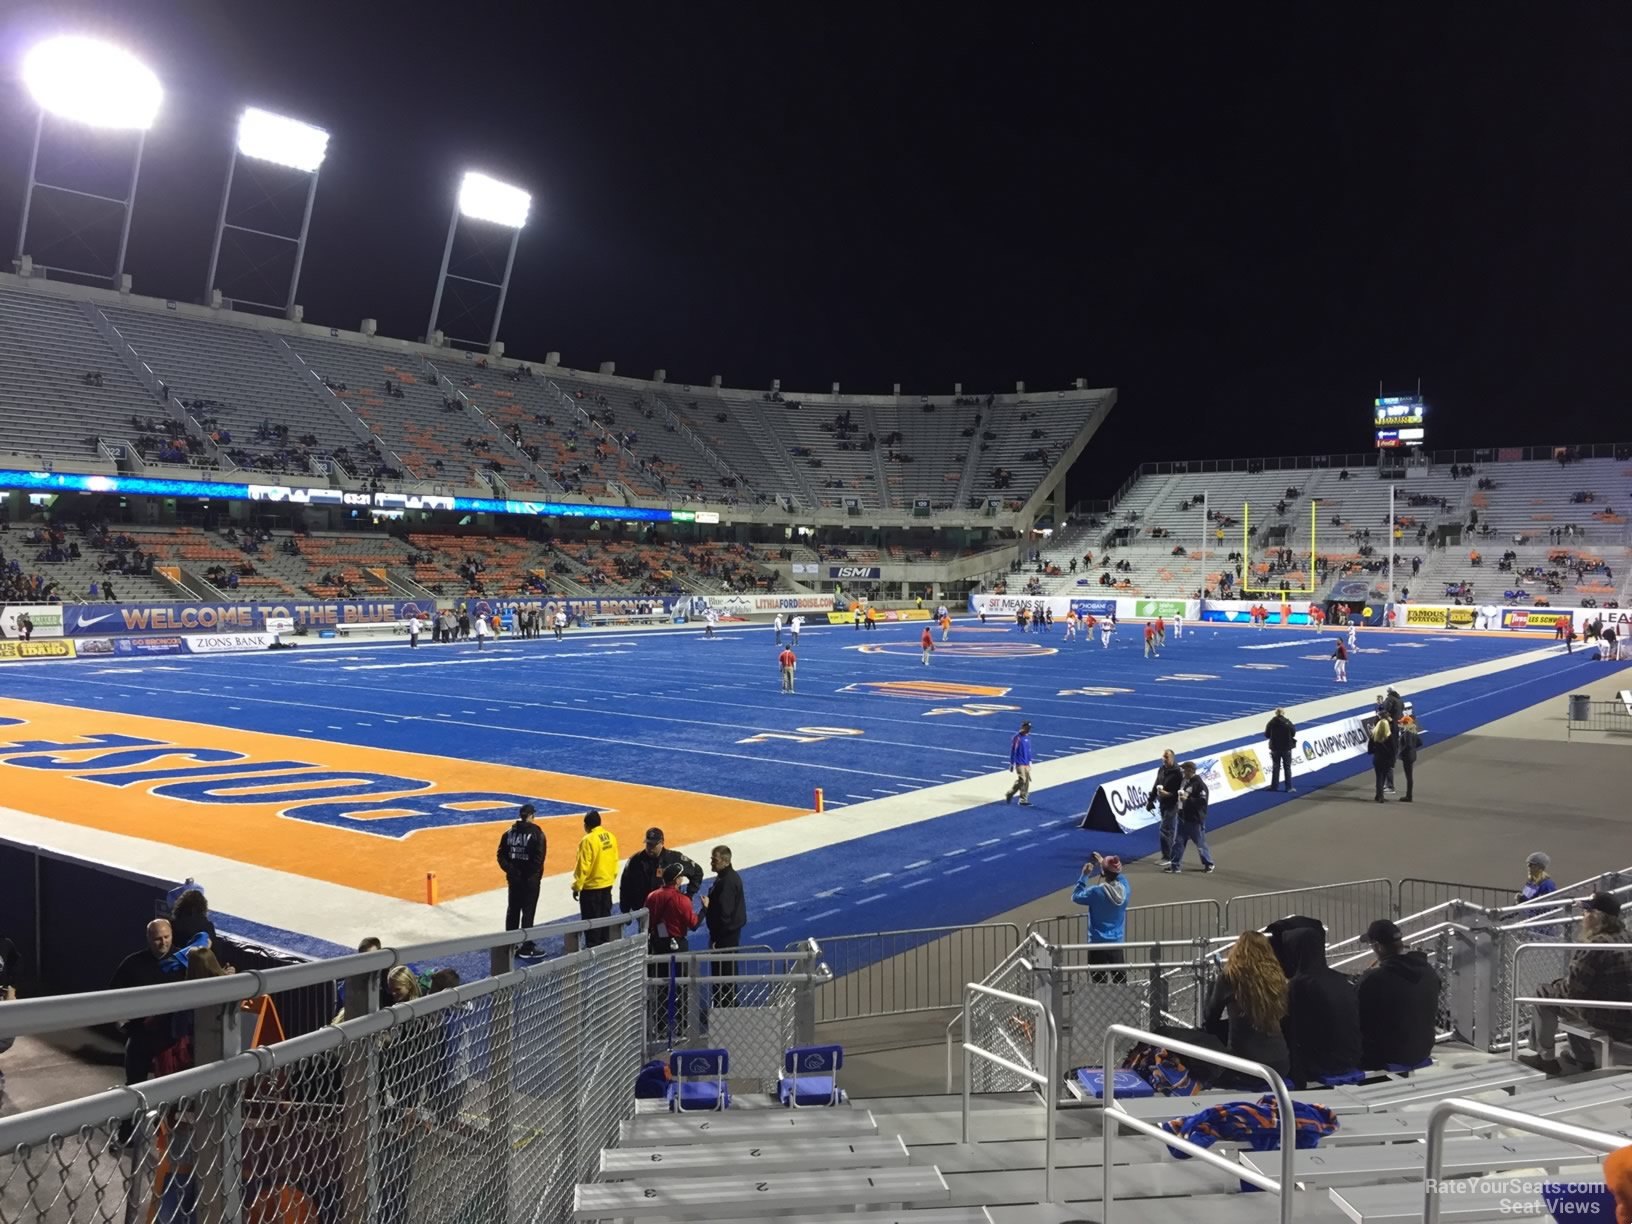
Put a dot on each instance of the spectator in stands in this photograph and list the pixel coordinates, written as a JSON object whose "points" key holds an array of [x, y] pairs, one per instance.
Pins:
{"points": [[1107, 904], [1282, 734], [1600, 975], [406, 1058], [592, 875], [521, 857], [1538, 883], [1249, 1001], [145, 1036], [727, 913], [1399, 1002], [1323, 1015]]}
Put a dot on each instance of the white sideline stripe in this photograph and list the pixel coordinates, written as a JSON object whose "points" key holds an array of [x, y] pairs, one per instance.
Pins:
{"points": [[336, 913]]}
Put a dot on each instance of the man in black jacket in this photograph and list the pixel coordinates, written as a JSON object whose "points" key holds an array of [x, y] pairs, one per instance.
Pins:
{"points": [[726, 912], [1323, 1015], [1393, 708], [1164, 792], [521, 858], [1410, 737], [644, 872], [1282, 735], [1399, 1002]]}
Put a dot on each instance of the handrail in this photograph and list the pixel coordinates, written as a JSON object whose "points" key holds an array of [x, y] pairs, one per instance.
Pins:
{"points": [[44, 1015], [1513, 1006], [1444, 1111], [1044, 1079], [1113, 1119]]}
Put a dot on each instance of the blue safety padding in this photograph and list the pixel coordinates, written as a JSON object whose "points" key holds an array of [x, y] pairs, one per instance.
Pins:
{"points": [[1407, 1068], [1346, 1077]]}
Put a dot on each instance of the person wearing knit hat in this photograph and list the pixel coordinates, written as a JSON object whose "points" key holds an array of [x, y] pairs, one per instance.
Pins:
{"points": [[1107, 903], [1539, 883]]}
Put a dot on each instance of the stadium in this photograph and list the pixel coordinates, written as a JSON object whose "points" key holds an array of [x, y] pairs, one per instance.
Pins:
{"points": [[302, 619]]}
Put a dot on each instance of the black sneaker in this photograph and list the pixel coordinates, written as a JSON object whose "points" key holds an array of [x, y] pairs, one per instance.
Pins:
{"points": [[526, 949]]}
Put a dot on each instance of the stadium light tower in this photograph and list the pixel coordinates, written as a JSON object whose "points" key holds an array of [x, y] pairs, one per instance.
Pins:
{"points": [[279, 141], [484, 199], [95, 84]]}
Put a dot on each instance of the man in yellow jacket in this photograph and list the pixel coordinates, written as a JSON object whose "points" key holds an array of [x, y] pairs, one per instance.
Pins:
{"points": [[593, 874]]}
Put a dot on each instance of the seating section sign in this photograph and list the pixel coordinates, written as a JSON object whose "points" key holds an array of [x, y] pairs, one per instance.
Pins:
{"points": [[1118, 805]]}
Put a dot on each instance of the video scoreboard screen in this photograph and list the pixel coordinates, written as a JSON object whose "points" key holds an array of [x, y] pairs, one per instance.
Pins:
{"points": [[1397, 420]]}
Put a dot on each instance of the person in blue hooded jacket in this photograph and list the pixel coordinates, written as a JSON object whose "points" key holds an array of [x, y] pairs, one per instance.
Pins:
{"points": [[1107, 903]]}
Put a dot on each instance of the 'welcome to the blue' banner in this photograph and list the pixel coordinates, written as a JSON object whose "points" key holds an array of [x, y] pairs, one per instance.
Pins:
{"points": [[113, 620]]}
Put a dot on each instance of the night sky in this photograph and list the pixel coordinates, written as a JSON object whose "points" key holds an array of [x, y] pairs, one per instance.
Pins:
{"points": [[1242, 215]]}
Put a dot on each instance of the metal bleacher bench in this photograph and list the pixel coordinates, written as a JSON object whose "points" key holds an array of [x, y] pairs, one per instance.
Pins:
{"points": [[790, 1155], [1486, 1199], [1361, 1099], [767, 1125], [1370, 1164], [923, 1215], [750, 1197], [1606, 1045]]}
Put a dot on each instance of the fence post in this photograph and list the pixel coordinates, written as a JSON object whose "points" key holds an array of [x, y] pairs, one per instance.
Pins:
{"points": [[1047, 989], [500, 1078], [804, 1008], [1158, 986], [359, 1101], [217, 1138]]}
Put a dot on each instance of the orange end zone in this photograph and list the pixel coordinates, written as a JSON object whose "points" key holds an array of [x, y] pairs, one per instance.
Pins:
{"points": [[110, 771]]}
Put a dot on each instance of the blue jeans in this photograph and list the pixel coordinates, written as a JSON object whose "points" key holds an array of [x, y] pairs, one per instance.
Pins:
{"points": [[1189, 832]]}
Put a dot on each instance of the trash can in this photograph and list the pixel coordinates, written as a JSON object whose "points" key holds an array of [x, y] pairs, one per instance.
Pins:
{"points": [[1580, 707]]}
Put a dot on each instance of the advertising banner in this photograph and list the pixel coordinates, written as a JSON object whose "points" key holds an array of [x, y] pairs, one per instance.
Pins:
{"points": [[228, 643], [1008, 605], [1150, 609], [906, 614], [1546, 619], [142, 646], [855, 573], [104, 620], [1237, 611], [787, 603], [47, 619], [633, 605], [94, 646], [12, 651], [1119, 804]]}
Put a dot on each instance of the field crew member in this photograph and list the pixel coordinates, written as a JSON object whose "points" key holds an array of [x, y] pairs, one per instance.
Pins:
{"points": [[592, 876], [794, 625], [480, 628], [1020, 762], [560, 622], [777, 625], [413, 631], [1164, 793], [788, 661], [521, 858]]}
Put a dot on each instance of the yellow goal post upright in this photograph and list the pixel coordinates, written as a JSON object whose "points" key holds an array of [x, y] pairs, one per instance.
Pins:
{"points": [[1282, 591]]}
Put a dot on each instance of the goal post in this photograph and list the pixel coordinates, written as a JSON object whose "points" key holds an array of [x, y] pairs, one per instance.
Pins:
{"points": [[1284, 588]]}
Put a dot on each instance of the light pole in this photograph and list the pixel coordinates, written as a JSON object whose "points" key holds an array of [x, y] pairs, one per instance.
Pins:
{"points": [[485, 199], [94, 84], [281, 141]]}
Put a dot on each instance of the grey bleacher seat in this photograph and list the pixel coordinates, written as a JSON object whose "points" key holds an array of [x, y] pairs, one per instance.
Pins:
{"points": [[750, 1197], [754, 1157], [926, 1215], [735, 440], [1489, 1077], [936, 443], [1369, 1164], [646, 1130], [238, 367], [1551, 1101], [1516, 1199], [47, 343], [1060, 415]]}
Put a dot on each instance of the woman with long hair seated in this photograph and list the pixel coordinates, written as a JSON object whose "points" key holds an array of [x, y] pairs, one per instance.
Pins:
{"points": [[1252, 993]]}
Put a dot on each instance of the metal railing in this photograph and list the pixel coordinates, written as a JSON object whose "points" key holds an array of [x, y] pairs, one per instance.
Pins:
{"points": [[1168, 922], [1113, 1119], [1012, 973], [1043, 1079], [1413, 895], [1601, 716], [443, 1096], [1345, 909], [1441, 1114], [1518, 997], [897, 973]]}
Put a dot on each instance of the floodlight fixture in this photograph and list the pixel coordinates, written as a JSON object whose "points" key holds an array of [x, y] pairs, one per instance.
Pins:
{"points": [[92, 82], [291, 145], [281, 140], [483, 198], [96, 84]]}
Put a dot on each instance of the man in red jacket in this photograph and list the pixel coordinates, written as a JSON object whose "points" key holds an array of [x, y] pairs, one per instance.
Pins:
{"points": [[788, 661], [670, 915]]}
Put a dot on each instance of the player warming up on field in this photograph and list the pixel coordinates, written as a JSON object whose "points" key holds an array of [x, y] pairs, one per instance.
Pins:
{"points": [[1150, 641], [1071, 625], [710, 619], [1340, 663], [1106, 628], [928, 644], [1161, 633]]}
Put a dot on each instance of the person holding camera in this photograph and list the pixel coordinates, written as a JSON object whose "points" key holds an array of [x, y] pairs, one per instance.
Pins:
{"points": [[1107, 903]]}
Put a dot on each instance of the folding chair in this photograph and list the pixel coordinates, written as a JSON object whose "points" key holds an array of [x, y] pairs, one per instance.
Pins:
{"points": [[699, 1080], [810, 1078]]}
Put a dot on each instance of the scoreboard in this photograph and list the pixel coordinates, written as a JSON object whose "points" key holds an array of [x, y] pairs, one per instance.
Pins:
{"points": [[1397, 420]]}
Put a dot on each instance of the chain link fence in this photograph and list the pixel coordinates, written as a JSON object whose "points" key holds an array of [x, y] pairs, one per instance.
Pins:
{"points": [[482, 1102]]}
